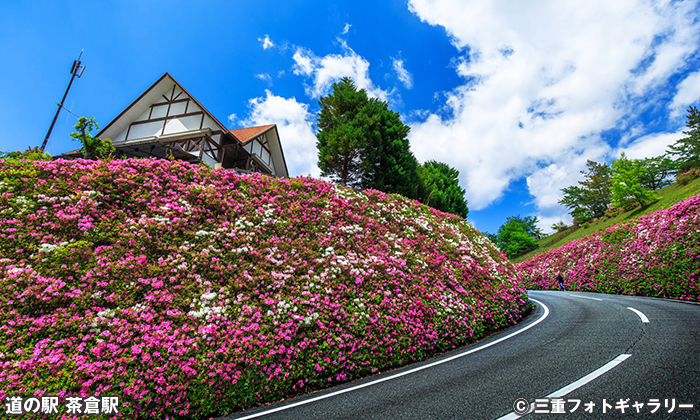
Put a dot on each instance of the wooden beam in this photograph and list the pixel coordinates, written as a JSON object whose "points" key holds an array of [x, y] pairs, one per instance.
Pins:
{"points": [[168, 117], [177, 101]]}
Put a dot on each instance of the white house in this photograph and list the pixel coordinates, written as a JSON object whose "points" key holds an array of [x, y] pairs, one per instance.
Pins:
{"points": [[166, 120]]}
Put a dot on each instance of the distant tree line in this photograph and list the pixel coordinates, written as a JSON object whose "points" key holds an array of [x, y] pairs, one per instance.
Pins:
{"points": [[517, 236], [628, 183], [363, 144], [607, 189]]}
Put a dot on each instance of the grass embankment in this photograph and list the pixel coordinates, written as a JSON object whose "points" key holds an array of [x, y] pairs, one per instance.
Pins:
{"points": [[656, 255], [189, 292], [668, 196]]}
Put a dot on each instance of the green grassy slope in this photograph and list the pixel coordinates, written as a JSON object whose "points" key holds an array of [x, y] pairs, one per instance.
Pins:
{"points": [[667, 197]]}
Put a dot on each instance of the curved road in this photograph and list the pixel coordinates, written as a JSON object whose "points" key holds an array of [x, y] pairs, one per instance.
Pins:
{"points": [[583, 347]]}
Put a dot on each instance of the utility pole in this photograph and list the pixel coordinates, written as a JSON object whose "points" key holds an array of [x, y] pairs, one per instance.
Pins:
{"points": [[76, 70]]}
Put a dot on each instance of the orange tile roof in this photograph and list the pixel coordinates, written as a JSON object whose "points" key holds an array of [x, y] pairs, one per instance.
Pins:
{"points": [[72, 152], [246, 134]]}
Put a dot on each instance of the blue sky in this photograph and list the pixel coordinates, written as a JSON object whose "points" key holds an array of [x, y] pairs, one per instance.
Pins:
{"points": [[516, 95]]}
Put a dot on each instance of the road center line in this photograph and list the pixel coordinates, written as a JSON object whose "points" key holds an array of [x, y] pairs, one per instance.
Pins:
{"points": [[641, 315], [586, 297], [574, 385], [404, 373]]}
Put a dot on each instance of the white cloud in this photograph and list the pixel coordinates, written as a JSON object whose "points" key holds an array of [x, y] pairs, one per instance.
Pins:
{"points": [[295, 127], [264, 77], [649, 146], [688, 94], [266, 42], [303, 62], [677, 41], [542, 81], [545, 183], [404, 76], [346, 29], [232, 119], [326, 70], [545, 222]]}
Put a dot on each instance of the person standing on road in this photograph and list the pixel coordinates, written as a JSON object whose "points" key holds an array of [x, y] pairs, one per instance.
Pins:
{"points": [[560, 280]]}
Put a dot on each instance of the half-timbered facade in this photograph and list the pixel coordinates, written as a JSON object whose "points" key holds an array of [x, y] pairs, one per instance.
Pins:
{"points": [[263, 145], [167, 121]]}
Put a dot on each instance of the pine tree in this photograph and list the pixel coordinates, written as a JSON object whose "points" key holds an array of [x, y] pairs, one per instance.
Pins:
{"points": [[340, 140], [363, 144], [390, 165], [441, 188], [592, 196], [688, 148]]}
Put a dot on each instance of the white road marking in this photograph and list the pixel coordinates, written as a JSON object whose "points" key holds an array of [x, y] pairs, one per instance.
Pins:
{"points": [[586, 297], [407, 372], [641, 315], [574, 385]]}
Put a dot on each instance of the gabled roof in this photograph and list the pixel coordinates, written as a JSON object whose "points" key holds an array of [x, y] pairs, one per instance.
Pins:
{"points": [[167, 116], [247, 134], [136, 108]]}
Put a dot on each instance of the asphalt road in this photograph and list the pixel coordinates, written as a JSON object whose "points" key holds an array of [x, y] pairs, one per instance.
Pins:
{"points": [[582, 347]]}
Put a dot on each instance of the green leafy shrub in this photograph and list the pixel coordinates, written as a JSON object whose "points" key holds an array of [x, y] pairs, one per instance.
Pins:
{"points": [[32, 153], [686, 177]]}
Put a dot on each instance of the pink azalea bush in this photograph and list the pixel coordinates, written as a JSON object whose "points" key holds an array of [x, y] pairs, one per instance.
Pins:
{"points": [[655, 255], [191, 292]]}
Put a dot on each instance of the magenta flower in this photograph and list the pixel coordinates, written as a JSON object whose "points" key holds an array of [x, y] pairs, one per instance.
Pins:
{"points": [[194, 292]]}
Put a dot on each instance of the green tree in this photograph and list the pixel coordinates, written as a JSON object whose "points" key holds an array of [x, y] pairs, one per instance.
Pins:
{"points": [[340, 140], [592, 196], [517, 236], [32, 153], [93, 147], [390, 165], [581, 215], [574, 199], [441, 190], [363, 144], [529, 223], [687, 149], [658, 172], [627, 186], [559, 226]]}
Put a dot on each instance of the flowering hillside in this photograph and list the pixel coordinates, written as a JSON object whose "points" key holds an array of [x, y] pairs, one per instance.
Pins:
{"points": [[655, 255], [191, 292]]}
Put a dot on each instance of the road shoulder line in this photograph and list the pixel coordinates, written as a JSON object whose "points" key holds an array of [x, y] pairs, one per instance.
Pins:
{"points": [[398, 375]]}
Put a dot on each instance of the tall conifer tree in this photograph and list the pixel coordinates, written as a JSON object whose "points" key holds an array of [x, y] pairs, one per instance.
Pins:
{"points": [[441, 188], [688, 148], [363, 144]]}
